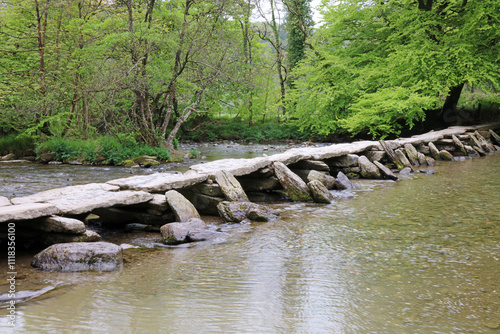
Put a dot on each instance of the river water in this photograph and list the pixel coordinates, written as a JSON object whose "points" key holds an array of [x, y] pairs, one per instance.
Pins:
{"points": [[421, 255]]}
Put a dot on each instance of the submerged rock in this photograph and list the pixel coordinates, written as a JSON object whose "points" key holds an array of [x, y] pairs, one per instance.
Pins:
{"points": [[445, 155], [80, 256], [239, 211], [176, 233]]}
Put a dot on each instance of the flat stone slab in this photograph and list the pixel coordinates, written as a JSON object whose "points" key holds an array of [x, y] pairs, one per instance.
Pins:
{"points": [[80, 199], [80, 256], [27, 211], [4, 201], [237, 167], [160, 182]]}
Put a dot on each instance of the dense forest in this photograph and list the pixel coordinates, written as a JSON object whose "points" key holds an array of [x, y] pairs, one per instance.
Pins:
{"points": [[159, 70]]}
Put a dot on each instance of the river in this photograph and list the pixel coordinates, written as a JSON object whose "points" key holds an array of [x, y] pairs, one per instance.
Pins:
{"points": [[420, 255]]}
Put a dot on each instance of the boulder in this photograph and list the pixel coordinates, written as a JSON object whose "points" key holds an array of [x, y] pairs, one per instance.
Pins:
{"points": [[445, 155], [203, 235], [386, 172], [59, 225], [296, 189], [434, 151], [230, 187], [326, 179], [459, 144], [176, 233], [4, 201], [430, 161], [26, 211], [233, 211], [342, 182], [368, 169], [402, 158], [412, 154], [239, 211], [182, 208], [421, 159], [261, 213], [406, 171], [424, 149], [495, 137], [389, 150], [476, 144], [320, 193], [488, 147], [80, 256]]}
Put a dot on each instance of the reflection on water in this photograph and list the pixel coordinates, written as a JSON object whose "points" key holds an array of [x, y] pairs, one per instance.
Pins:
{"points": [[415, 256]]}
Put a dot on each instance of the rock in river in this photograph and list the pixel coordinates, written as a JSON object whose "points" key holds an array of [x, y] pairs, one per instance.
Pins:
{"points": [[80, 256], [296, 189], [183, 209], [238, 211]]}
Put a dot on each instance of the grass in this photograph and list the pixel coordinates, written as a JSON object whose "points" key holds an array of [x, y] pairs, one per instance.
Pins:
{"points": [[107, 150]]}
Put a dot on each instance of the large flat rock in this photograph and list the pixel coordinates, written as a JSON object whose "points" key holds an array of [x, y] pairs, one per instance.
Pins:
{"points": [[27, 211], [80, 199], [237, 167], [160, 182]]}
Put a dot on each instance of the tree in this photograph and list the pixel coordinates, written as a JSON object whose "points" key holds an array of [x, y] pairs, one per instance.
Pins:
{"points": [[298, 26], [380, 66], [270, 32]]}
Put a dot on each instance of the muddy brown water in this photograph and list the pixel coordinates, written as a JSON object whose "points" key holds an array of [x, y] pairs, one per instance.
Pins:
{"points": [[421, 255]]}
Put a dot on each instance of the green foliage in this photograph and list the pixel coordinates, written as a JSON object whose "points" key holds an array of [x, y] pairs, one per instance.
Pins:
{"points": [[175, 142], [269, 131], [298, 19], [194, 153], [14, 144], [103, 150], [379, 67]]}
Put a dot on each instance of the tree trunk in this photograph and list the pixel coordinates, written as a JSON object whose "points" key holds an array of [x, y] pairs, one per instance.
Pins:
{"points": [[449, 111]]}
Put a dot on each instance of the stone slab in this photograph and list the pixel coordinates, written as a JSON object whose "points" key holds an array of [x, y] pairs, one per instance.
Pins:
{"points": [[158, 183], [27, 211]]}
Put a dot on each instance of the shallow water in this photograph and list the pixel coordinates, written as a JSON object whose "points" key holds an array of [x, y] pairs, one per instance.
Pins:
{"points": [[416, 256]]}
